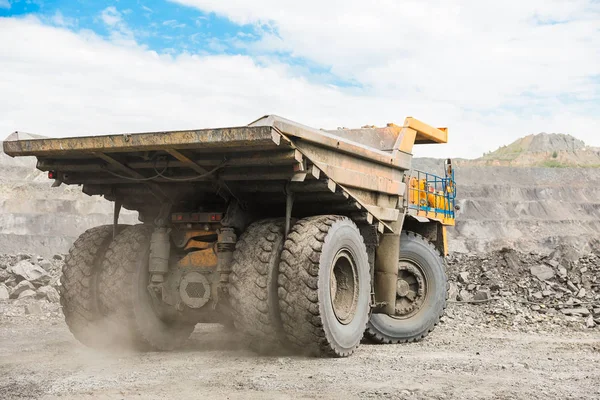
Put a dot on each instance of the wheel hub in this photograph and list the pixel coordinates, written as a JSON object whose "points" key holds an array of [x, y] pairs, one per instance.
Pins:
{"points": [[402, 288], [411, 289], [343, 288]]}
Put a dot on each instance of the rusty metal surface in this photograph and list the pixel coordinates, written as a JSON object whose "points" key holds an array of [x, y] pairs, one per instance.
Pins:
{"points": [[378, 138], [205, 138], [353, 171], [329, 140], [206, 258]]}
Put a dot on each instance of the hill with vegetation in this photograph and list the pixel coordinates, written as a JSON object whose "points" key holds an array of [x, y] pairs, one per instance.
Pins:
{"points": [[554, 150]]}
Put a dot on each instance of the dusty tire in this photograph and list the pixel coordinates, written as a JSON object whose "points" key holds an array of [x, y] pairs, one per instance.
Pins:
{"points": [[415, 325], [324, 286], [125, 300], [253, 284], [78, 293]]}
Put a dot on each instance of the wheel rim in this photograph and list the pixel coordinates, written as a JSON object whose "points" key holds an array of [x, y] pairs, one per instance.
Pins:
{"points": [[411, 289], [344, 286]]}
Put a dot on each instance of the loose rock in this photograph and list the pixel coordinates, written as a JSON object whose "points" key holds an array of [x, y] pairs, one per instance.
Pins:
{"points": [[26, 294], [49, 293], [576, 311], [452, 291], [589, 322], [4, 275], [4, 295], [481, 295], [464, 295], [20, 288], [46, 265], [30, 272], [542, 272]]}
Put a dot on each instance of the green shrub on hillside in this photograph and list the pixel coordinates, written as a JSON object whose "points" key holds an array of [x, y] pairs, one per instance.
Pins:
{"points": [[553, 164]]}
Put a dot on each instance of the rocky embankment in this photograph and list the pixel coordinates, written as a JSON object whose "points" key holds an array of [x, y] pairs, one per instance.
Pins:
{"points": [[525, 208], [505, 288], [513, 288]]}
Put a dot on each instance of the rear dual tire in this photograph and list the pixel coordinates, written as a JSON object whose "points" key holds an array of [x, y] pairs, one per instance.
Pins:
{"points": [[125, 300], [104, 292], [79, 284], [253, 285]]}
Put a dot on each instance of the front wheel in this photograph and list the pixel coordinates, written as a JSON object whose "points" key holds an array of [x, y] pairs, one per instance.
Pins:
{"points": [[324, 286], [421, 294]]}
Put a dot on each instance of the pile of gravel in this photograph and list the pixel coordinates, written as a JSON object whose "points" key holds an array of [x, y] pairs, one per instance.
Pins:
{"points": [[515, 287]]}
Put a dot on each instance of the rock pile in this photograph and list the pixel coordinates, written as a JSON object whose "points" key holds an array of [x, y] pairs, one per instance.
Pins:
{"points": [[25, 276], [562, 286], [504, 288]]}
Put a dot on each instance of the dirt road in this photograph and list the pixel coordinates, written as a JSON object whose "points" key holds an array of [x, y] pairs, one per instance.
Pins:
{"points": [[40, 359]]}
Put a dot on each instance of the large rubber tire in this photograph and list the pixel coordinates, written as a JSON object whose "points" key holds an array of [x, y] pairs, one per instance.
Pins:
{"points": [[253, 284], [416, 249], [308, 292], [125, 300], [78, 292]]}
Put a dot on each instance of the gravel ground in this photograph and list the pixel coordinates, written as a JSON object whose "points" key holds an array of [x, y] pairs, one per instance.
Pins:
{"points": [[463, 359]]}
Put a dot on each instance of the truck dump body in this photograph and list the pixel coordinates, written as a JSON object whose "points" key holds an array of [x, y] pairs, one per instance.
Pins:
{"points": [[348, 171]]}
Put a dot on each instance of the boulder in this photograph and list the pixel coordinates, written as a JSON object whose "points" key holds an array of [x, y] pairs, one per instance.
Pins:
{"points": [[481, 295], [589, 322], [22, 256], [542, 272], [4, 295], [576, 311], [562, 272], [30, 272], [464, 295], [46, 265], [48, 293], [20, 288], [26, 294], [4, 275], [11, 282], [452, 291]]}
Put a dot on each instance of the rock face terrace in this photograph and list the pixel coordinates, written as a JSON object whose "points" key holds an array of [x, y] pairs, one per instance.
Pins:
{"points": [[535, 194], [36, 218]]}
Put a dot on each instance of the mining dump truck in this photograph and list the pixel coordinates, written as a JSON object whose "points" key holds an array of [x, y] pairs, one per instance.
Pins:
{"points": [[296, 237]]}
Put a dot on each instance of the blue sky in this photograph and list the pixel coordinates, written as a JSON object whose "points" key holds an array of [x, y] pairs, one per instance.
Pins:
{"points": [[167, 27], [490, 71], [160, 25]]}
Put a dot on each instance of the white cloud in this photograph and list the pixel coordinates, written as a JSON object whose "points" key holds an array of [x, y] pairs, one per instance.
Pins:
{"points": [[60, 83], [173, 24], [111, 17], [60, 20], [512, 60], [119, 30]]}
